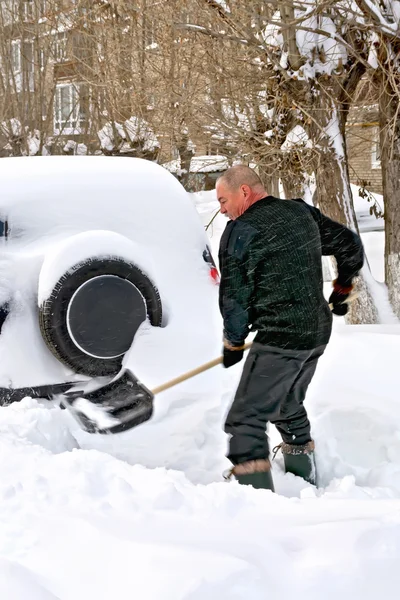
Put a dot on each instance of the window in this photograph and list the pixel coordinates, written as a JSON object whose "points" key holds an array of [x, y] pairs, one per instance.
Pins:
{"points": [[28, 57], [60, 47], [102, 101], [149, 32], [9, 10], [42, 59], [376, 150], [50, 6], [28, 10], [43, 8], [70, 108], [79, 45], [16, 56]]}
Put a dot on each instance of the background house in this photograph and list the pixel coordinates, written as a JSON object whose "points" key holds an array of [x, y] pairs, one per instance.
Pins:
{"points": [[204, 171], [78, 77], [362, 134]]}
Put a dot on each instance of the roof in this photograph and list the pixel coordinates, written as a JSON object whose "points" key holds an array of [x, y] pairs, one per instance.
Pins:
{"points": [[200, 164]]}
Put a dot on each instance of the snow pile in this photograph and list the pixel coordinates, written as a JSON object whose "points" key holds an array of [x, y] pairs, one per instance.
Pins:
{"points": [[73, 147], [80, 524], [15, 133], [363, 205]]}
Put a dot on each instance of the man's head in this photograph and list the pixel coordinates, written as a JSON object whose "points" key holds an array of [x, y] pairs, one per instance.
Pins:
{"points": [[237, 189]]}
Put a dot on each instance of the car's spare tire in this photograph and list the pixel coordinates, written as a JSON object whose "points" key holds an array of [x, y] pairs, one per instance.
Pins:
{"points": [[94, 311]]}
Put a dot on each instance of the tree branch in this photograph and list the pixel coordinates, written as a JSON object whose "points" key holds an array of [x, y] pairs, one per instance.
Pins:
{"points": [[374, 14]]}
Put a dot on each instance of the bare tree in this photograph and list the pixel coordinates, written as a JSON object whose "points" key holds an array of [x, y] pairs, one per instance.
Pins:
{"points": [[383, 22], [267, 83], [311, 57]]}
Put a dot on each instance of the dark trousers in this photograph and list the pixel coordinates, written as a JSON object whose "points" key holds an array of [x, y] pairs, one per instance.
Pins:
{"points": [[272, 389]]}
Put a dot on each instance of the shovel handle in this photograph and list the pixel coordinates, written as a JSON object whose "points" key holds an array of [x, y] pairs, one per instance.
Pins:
{"points": [[215, 362], [192, 373]]}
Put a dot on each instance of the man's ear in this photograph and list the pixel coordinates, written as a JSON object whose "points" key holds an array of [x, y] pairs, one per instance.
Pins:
{"points": [[245, 190]]}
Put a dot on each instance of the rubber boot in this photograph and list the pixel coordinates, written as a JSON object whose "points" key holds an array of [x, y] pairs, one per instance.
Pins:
{"points": [[299, 460], [254, 472]]}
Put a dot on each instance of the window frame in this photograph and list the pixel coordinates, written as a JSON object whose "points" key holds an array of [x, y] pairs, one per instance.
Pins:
{"points": [[75, 123], [28, 10], [16, 44], [60, 47], [375, 150]]}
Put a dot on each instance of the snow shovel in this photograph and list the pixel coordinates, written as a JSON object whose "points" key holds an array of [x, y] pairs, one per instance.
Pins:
{"points": [[123, 403]]}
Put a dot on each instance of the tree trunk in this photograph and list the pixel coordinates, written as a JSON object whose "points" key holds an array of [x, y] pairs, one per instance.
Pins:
{"points": [[272, 185], [268, 173], [294, 187], [333, 191], [186, 154], [295, 181], [389, 125]]}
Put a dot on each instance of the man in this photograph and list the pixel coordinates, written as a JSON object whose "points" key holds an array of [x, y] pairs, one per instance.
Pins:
{"points": [[272, 283]]}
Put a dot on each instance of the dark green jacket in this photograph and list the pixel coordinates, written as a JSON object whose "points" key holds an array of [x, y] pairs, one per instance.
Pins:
{"points": [[271, 273]]}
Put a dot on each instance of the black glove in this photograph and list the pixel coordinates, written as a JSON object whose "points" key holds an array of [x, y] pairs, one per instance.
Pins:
{"points": [[231, 357], [338, 298]]}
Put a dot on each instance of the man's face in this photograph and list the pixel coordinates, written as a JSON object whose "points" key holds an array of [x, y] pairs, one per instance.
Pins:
{"points": [[230, 201]]}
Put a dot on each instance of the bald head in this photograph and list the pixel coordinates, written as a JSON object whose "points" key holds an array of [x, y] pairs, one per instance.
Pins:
{"points": [[237, 189], [239, 175]]}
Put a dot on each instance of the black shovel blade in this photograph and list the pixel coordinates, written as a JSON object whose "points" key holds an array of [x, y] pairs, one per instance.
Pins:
{"points": [[115, 407], [47, 392]]}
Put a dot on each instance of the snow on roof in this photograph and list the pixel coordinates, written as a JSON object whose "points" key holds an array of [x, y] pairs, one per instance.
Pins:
{"points": [[208, 164], [200, 164]]}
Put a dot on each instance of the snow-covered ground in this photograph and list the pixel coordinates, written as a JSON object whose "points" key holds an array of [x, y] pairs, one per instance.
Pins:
{"points": [[146, 514]]}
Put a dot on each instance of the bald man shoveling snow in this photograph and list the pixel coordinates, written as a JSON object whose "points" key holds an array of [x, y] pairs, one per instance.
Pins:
{"points": [[271, 282]]}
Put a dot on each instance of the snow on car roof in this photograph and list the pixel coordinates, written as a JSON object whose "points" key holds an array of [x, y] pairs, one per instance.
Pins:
{"points": [[118, 193]]}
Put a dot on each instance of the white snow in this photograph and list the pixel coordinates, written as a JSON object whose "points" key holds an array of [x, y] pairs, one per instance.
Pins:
{"points": [[127, 197], [134, 130], [12, 127], [75, 249], [223, 5], [362, 206], [322, 50], [373, 51], [79, 149], [296, 136], [200, 164], [272, 35], [317, 41], [145, 514]]}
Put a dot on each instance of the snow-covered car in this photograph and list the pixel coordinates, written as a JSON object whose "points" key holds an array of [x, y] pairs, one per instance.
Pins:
{"points": [[97, 253]]}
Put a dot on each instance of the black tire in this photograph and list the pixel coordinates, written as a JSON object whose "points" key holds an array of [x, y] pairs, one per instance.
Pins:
{"points": [[53, 313]]}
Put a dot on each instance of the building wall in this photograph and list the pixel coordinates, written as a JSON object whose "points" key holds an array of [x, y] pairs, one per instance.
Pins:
{"points": [[363, 156]]}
